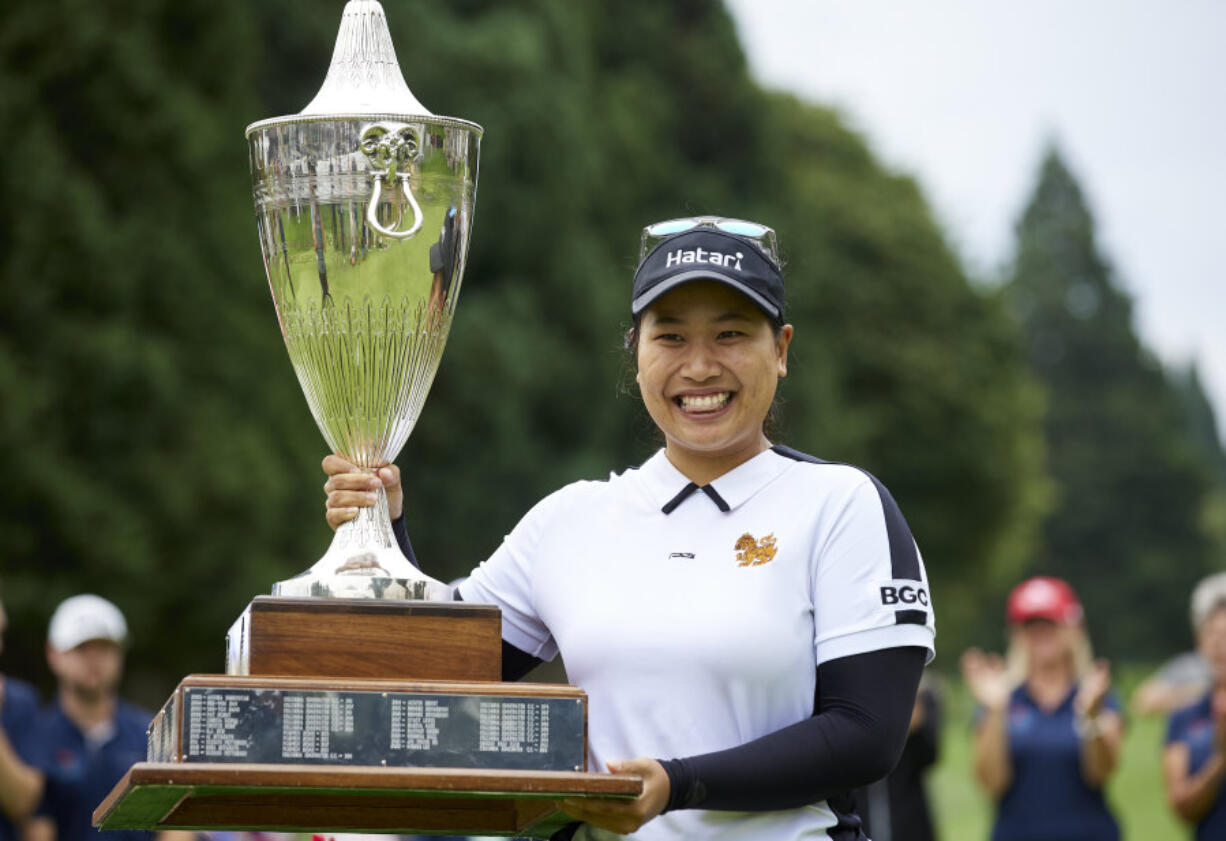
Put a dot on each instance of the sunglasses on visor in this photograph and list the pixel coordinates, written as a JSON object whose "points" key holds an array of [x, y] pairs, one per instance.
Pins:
{"points": [[761, 235]]}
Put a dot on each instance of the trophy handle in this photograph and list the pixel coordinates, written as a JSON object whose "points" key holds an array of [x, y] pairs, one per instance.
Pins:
{"points": [[391, 149], [372, 217]]}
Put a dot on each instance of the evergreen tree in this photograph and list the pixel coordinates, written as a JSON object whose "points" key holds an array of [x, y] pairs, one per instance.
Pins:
{"points": [[1125, 529], [1200, 421], [1202, 428]]}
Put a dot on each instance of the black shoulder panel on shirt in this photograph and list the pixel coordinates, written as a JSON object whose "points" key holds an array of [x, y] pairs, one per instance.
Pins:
{"points": [[797, 455], [904, 559]]}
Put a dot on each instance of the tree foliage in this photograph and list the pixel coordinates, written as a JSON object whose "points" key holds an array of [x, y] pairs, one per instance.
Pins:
{"points": [[1202, 427], [1131, 481], [160, 451]]}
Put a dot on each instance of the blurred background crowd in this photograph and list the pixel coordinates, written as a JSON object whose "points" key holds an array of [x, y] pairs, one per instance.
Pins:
{"points": [[160, 453]]}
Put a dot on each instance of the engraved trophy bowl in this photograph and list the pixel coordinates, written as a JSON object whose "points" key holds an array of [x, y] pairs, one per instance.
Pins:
{"points": [[364, 205]]}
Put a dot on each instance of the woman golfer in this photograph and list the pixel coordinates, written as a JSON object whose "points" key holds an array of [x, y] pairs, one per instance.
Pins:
{"points": [[750, 623]]}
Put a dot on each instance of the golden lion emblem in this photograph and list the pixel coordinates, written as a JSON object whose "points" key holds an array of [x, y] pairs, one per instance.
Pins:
{"points": [[752, 553]]}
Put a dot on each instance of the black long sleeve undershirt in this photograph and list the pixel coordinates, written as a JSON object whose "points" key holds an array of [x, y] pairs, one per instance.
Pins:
{"points": [[855, 736], [515, 661], [402, 540]]}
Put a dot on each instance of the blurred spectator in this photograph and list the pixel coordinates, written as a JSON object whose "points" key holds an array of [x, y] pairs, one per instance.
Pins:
{"points": [[1177, 683], [89, 737], [21, 784], [1194, 760], [1185, 678], [1048, 730], [896, 808]]}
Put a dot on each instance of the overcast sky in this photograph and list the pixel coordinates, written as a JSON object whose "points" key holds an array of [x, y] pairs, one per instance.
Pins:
{"points": [[965, 94]]}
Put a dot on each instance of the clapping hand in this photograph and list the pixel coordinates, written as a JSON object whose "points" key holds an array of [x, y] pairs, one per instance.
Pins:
{"points": [[985, 677], [1093, 691]]}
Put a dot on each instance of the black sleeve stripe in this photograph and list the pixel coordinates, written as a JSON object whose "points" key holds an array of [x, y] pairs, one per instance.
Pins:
{"points": [[910, 617], [904, 559]]}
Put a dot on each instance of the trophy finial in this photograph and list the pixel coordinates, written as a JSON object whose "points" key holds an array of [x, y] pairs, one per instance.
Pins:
{"points": [[364, 76]]}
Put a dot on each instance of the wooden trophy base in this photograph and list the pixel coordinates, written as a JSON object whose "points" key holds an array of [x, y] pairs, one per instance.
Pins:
{"points": [[366, 638], [369, 746], [335, 798]]}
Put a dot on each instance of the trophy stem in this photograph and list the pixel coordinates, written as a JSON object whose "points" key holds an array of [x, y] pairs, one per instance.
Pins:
{"points": [[364, 561]]}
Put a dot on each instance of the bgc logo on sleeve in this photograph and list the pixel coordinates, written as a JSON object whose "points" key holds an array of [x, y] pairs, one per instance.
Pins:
{"points": [[903, 593]]}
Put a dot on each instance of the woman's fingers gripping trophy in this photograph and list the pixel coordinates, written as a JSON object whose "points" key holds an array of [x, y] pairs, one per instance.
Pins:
{"points": [[349, 489]]}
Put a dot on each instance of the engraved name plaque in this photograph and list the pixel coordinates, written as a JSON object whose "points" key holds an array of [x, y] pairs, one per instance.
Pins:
{"points": [[404, 729]]}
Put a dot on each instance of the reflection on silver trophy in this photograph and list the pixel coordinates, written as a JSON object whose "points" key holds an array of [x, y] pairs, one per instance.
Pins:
{"points": [[364, 203]]}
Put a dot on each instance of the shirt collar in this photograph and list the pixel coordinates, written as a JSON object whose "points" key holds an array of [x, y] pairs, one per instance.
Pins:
{"points": [[669, 488]]}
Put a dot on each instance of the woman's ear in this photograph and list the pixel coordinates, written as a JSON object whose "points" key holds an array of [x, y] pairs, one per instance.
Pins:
{"points": [[781, 347]]}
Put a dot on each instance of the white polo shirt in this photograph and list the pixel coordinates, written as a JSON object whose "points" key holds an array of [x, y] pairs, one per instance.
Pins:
{"points": [[695, 618]]}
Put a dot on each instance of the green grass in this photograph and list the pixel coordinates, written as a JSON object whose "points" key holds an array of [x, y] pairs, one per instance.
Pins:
{"points": [[1136, 796]]}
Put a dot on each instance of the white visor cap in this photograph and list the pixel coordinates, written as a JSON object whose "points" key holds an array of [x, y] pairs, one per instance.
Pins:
{"points": [[83, 618]]}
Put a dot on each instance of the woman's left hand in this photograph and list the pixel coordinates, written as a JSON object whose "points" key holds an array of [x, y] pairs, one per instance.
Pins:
{"points": [[1094, 687], [624, 816]]}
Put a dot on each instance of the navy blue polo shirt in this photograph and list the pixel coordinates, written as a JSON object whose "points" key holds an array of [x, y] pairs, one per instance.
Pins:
{"points": [[80, 775], [19, 720], [1048, 798], [1194, 727]]}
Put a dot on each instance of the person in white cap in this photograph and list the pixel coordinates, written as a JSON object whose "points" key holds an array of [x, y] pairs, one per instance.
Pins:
{"points": [[21, 783], [89, 737]]}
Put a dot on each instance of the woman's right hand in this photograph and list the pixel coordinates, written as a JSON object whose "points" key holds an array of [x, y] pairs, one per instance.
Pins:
{"points": [[985, 677], [349, 489], [1094, 688]]}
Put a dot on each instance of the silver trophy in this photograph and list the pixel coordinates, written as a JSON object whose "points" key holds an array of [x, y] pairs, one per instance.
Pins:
{"points": [[364, 203]]}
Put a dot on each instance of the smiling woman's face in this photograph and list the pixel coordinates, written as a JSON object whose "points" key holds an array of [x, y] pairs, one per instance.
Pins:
{"points": [[708, 366]]}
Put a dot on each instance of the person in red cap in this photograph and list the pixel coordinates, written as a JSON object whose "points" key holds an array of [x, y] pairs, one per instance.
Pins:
{"points": [[1048, 729]]}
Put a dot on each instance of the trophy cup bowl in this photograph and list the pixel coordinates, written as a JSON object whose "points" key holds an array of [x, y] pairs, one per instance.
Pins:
{"points": [[364, 205]]}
